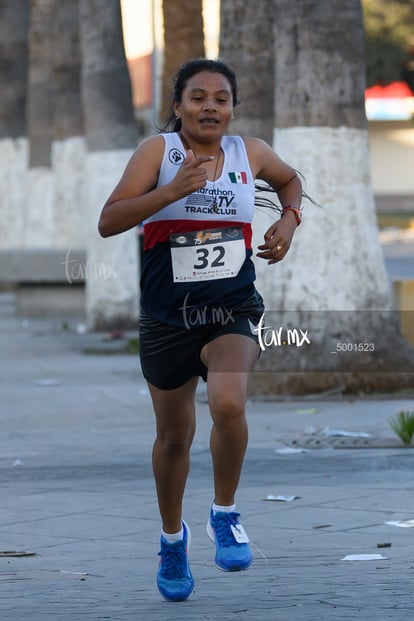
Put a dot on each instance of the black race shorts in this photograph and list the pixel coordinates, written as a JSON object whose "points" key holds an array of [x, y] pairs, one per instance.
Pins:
{"points": [[170, 355]]}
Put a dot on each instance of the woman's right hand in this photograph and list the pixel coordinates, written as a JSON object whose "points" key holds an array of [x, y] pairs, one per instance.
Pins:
{"points": [[191, 176]]}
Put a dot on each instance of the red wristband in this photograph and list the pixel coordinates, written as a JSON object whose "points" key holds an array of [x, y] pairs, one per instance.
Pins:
{"points": [[297, 212]]}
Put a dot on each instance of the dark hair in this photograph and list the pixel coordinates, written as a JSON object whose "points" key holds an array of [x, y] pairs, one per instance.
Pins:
{"points": [[187, 71]]}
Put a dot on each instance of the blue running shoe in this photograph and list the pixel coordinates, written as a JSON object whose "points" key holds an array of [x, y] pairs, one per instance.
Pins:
{"points": [[174, 579], [233, 552]]}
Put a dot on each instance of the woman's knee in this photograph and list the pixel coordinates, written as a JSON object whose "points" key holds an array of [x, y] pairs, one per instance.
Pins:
{"points": [[227, 409], [175, 441]]}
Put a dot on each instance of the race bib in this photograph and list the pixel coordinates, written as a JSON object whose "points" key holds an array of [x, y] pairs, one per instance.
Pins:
{"points": [[207, 255]]}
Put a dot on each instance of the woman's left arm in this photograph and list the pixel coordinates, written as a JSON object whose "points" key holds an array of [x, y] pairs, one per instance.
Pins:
{"points": [[269, 167]]}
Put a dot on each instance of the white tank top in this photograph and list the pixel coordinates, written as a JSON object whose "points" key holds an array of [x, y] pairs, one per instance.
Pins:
{"points": [[233, 191], [197, 250]]}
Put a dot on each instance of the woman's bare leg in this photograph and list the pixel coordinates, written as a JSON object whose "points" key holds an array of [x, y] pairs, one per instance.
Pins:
{"points": [[175, 427], [229, 359]]}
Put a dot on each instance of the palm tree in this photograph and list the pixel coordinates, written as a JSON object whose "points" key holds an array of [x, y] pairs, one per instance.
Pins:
{"points": [[183, 39], [68, 142], [332, 288], [14, 24], [246, 42], [112, 270], [40, 110], [39, 225]]}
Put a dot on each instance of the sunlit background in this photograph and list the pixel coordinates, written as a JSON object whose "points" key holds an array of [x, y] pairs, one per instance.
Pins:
{"points": [[389, 109], [139, 25]]}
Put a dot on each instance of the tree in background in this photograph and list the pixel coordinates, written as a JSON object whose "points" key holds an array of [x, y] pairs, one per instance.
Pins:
{"points": [[40, 112], [68, 141], [66, 131], [111, 136], [389, 28], [14, 26], [183, 39], [40, 220], [246, 36], [40, 105], [333, 284]]}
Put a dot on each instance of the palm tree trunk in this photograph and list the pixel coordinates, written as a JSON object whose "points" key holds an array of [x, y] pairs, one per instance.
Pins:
{"points": [[112, 274], [183, 39], [14, 26], [68, 141], [40, 108], [332, 288], [39, 226], [246, 43]]}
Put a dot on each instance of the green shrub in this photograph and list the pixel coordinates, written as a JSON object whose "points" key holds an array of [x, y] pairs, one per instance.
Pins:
{"points": [[403, 425]]}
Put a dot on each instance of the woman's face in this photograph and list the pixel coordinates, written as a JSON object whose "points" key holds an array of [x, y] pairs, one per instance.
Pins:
{"points": [[206, 106]]}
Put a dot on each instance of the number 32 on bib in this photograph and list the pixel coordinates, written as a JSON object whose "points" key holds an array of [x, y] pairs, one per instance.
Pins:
{"points": [[207, 255]]}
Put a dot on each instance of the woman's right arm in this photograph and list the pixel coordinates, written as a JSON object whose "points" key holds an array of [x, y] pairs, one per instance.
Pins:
{"points": [[135, 197]]}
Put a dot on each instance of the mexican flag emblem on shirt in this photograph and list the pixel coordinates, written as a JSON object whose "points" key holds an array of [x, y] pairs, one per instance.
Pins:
{"points": [[238, 177]]}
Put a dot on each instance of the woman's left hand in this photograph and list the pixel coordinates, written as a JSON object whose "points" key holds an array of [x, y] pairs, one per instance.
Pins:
{"points": [[278, 239]]}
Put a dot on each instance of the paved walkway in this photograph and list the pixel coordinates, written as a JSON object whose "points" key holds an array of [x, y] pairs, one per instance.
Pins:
{"points": [[77, 498]]}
